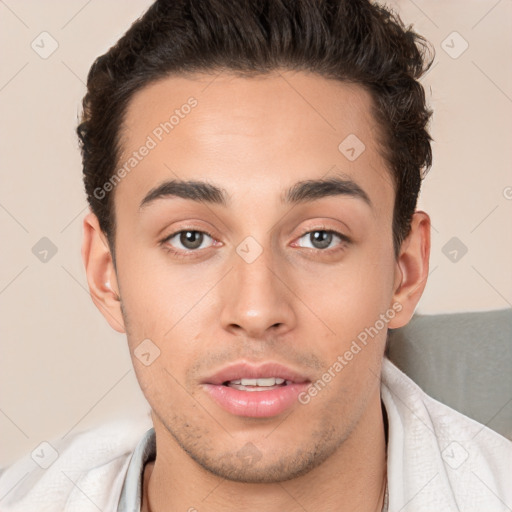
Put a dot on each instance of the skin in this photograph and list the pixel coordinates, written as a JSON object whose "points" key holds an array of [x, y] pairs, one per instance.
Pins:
{"points": [[296, 304]]}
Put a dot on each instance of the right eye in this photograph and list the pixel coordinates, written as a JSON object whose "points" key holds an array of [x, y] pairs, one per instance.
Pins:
{"points": [[189, 239]]}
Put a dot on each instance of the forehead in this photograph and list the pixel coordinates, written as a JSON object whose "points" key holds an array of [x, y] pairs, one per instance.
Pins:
{"points": [[258, 135]]}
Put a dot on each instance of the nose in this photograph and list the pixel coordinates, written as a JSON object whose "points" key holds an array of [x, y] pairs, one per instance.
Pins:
{"points": [[257, 298]]}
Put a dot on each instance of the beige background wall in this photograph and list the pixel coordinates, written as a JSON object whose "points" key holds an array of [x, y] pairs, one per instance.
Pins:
{"points": [[62, 368]]}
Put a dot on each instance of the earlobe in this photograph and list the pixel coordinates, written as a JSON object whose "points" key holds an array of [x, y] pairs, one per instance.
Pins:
{"points": [[412, 269], [101, 274]]}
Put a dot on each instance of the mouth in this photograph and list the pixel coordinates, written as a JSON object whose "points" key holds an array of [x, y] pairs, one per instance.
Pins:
{"points": [[262, 384], [257, 391]]}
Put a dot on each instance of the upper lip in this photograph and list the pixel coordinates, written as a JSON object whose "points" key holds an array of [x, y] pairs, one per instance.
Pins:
{"points": [[246, 370]]}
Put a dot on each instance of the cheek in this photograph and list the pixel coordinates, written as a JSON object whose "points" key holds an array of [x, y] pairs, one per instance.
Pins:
{"points": [[353, 305], [155, 295], [351, 296], [165, 305]]}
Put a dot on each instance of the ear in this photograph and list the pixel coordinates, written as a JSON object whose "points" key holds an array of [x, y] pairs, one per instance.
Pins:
{"points": [[411, 270], [101, 274]]}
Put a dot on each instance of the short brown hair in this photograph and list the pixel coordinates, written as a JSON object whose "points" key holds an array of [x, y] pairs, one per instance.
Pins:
{"points": [[349, 40]]}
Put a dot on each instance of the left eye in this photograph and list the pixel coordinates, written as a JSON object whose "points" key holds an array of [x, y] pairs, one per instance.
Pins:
{"points": [[321, 239], [189, 239]]}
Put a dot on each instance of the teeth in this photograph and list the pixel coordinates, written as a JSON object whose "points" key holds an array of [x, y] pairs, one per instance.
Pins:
{"points": [[265, 382], [269, 381]]}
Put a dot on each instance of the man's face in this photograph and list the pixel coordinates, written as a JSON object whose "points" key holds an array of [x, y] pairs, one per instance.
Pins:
{"points": [[278, 288]]}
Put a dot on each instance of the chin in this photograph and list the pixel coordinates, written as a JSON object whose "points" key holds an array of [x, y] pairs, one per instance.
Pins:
{"points": [[248, 465]]}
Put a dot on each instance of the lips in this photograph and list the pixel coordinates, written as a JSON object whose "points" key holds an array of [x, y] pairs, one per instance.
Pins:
{"points": [[257, 391]]}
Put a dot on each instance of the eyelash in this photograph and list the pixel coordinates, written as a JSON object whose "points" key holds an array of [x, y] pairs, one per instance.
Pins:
{"points": [[345, 240]]}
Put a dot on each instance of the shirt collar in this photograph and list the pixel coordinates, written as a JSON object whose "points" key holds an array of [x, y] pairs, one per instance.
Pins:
{"points": [[131, 493]]}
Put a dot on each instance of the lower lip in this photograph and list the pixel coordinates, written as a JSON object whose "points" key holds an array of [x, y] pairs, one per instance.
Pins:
{"points": [[255, 404]]}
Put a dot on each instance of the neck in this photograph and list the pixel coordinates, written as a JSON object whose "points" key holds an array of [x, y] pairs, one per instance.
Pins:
{"points": [[352, 478]]}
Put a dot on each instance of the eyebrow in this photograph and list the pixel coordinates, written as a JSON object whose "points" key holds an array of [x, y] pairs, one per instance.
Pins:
{"points": [[300, 192]]}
